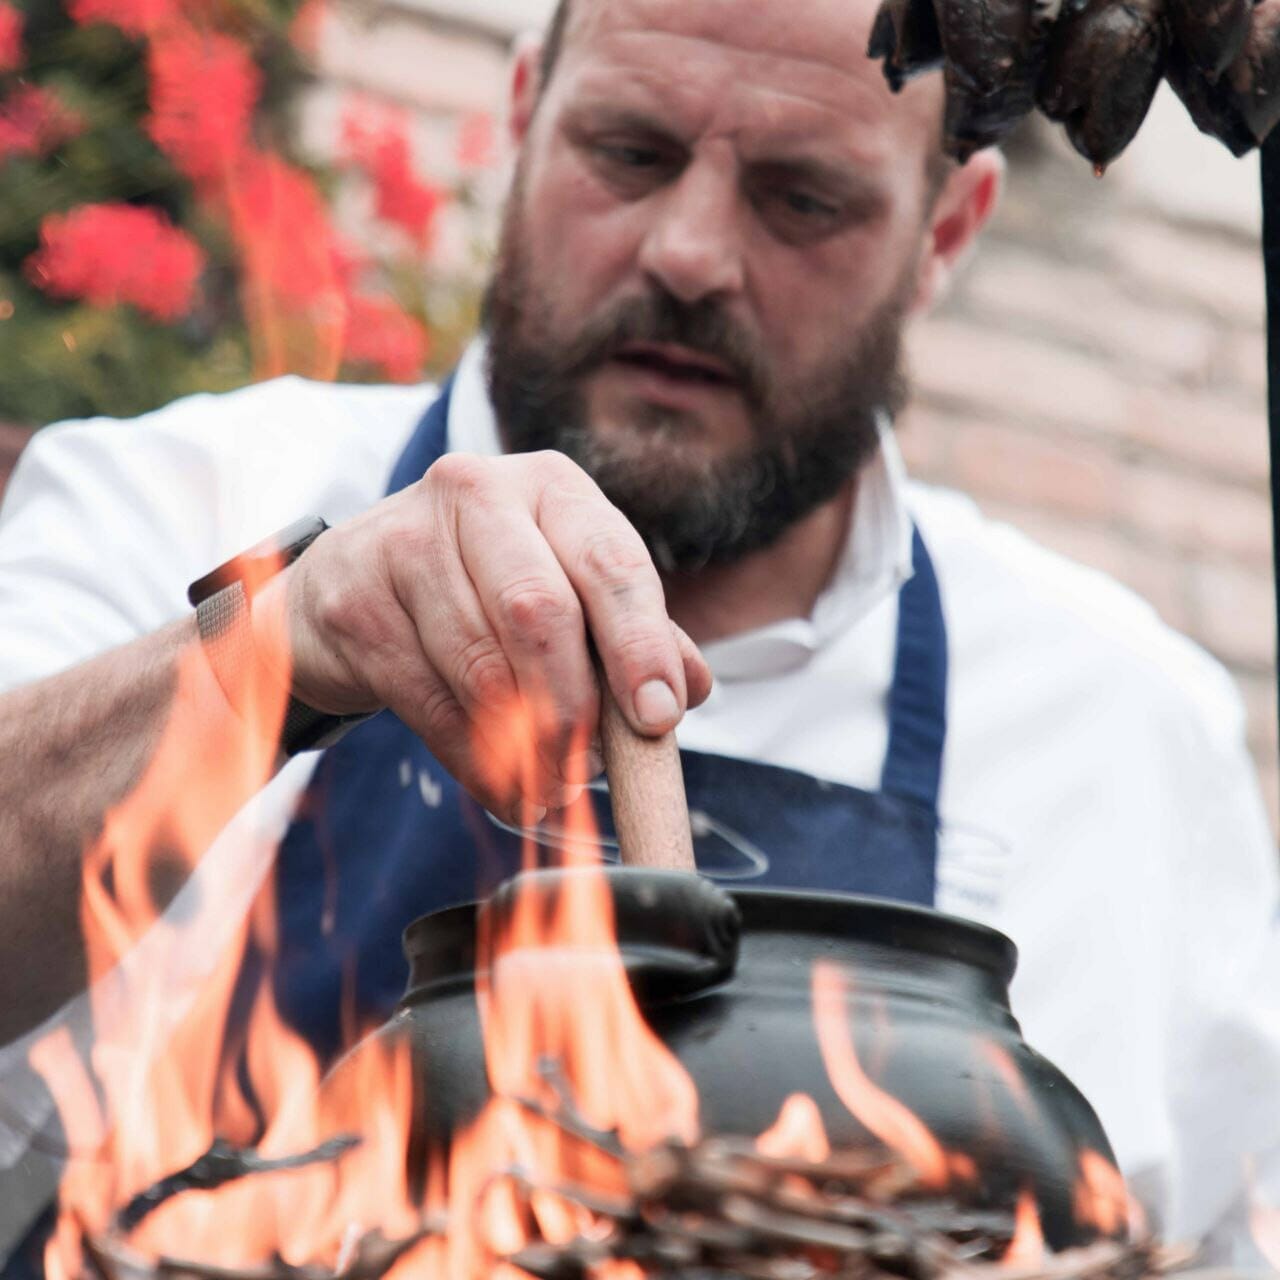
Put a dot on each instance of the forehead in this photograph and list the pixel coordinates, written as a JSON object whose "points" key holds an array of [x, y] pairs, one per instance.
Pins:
{"points": [[798, 67]]}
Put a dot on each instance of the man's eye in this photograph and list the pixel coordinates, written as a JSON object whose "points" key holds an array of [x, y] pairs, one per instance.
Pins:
{"points": [[809, 206], [628, 156]]}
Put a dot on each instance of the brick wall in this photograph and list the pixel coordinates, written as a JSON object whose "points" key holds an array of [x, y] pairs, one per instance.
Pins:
{"points": [[1097, 376]]}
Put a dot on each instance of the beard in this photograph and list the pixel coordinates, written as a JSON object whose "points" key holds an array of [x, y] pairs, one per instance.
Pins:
{"points": [[807, 440]]}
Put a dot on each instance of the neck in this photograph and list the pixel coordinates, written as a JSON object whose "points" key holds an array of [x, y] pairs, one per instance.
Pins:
{"points": [[782, 581]]}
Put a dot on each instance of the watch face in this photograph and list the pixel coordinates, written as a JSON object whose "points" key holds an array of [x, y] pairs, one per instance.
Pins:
{"points": [[260, 562]]}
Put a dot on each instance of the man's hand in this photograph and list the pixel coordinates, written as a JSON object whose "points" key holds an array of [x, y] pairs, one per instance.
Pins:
{"points": [[466, 604]]}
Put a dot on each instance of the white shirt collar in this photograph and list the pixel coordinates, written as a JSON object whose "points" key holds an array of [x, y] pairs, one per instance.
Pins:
{"points": [[876, 560]]}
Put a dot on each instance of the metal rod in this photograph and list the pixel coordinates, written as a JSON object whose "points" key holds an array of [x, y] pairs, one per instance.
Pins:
{"points": [[1271, 265]]}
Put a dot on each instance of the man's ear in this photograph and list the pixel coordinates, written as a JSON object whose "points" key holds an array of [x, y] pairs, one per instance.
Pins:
{"points": [[526, 84], [966, 201]]}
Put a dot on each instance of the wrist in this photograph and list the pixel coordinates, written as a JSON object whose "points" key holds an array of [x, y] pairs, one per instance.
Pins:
{"points": [[243, 619], [253, 691]]}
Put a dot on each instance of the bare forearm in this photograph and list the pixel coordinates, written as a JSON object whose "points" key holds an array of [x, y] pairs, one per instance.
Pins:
{"points": [[72, 748]]}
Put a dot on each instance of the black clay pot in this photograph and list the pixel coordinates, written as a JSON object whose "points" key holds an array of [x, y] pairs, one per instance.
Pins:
{"points": [[725, 981]]}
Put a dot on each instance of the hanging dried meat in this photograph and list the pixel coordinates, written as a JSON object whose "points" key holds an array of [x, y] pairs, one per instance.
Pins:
{"points": [[1102, 70], [1093, 65], [1254, 77], [1242, 107], [1211, 32], [992, 53], [906, 37]]}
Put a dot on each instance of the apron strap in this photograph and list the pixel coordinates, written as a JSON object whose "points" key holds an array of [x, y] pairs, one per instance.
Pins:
{"points": [[427, 444], [918, 698]]}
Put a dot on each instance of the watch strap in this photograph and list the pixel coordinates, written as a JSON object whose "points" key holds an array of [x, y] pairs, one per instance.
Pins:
{"points": [[260, 562], [226, 633]]}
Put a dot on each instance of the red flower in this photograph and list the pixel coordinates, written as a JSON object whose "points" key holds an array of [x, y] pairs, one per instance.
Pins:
{"points": [[136, 17], [380, 334], [401, 198], [34, 122], [203, 92], [10, 37], [113, 253]]}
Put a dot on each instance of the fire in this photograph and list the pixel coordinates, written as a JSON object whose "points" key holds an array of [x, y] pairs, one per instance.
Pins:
{"points": [[798, 1132], [162, 1082], [162, 1087], [568, 1054], [1101, 1197], [899, 1128], [1264, 1219], [556, 990], [1027, 1248]]}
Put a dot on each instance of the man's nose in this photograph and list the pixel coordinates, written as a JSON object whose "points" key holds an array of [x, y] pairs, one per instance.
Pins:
{"points": [[694, 246]]}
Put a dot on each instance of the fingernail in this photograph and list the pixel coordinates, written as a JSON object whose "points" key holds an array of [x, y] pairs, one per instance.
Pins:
{"points": [[656, 705], [565, 796]]}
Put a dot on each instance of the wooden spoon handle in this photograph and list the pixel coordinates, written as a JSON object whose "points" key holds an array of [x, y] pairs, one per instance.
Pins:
{"points": [[646, 789]]}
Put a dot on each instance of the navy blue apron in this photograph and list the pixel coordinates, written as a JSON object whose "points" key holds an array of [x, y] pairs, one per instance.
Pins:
{"points": [[384, 834]]}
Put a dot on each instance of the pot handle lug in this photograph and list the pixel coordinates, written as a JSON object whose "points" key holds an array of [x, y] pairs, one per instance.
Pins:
{"points": [[678, 933]]}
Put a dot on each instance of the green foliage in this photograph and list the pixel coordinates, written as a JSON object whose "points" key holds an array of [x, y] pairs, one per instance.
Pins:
{"points": [[67, 356]]}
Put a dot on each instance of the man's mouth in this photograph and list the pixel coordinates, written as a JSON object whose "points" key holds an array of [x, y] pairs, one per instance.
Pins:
{"points": [[680, 363]]}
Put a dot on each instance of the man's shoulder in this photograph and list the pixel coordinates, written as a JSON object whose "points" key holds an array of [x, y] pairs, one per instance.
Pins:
{"points": [[120, 515], [249, 460], [287, 414], [1011, 601]]}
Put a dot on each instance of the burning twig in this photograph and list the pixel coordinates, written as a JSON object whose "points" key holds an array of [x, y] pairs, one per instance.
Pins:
{"points": [[717, 1210], [720, 1209], [221, 1164], [374, 1256]]}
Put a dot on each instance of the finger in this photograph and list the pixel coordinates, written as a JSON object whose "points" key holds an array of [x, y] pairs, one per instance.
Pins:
{"points": [[614, 577], [697, 674], [397, 669], [536, 617], [454, 634], [469, 755]]}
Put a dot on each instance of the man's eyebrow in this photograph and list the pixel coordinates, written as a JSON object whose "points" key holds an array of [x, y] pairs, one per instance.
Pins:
{"points": [[845, 180], [605, 115]]}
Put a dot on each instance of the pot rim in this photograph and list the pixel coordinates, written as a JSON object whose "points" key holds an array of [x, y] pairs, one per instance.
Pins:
{"points": [[880, 920], [883, 921]]}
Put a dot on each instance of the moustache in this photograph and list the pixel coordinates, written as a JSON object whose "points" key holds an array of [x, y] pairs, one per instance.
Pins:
{"points": [[703, 327]]}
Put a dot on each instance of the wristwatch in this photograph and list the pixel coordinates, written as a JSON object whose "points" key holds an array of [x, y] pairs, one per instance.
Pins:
{"points": [[222, 601]]}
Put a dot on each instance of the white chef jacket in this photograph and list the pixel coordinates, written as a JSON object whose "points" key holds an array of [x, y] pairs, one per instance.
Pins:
{"points": [[1098, 801]]}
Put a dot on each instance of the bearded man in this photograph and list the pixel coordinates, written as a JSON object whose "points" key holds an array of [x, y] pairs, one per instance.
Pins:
{"points": [[671, 452]]}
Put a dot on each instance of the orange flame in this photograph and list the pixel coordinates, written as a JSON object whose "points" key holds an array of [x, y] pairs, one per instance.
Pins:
{"points": [[1027, 1248], [159, 1087], [1264, 1221], [895, 1124], [551, 987], [160, 1082], [797, 1134], [1101, 1198]]}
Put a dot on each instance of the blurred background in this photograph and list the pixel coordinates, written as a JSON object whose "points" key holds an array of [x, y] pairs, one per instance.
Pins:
{"points": [[198, 193]]}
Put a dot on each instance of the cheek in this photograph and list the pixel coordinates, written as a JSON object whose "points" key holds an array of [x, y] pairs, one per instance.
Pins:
{"points": [[807, 311], [819, 302], [583, 245]]}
